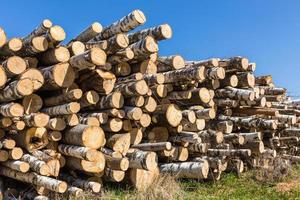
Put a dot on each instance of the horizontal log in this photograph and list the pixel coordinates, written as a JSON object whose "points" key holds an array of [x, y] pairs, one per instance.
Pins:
{"points": [[84, 135], [125, 24], [194, 170], [29, 177]]}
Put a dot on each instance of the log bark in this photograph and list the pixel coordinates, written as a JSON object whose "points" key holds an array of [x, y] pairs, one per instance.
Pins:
{"points": [[65, 109], [191, 73], [39, 30], [62, 98], [118, 142], [88, 59], [16, 90], [147, 67], [116, 43], [84, 135], [113, 163], [56, 124], [58, 76], [113, 125], [36, 119], [159, 146], [48, 183], [54, 56], [123, 55], [161, 32], [80, 152], [142, 179], [89, 33], [11, 47], [111, 175], [143, 48], [193, 170], [236, 94], [133, 88], [229, 152], [76, 48], [36, 165], [85, 166], [15, 154], [32, 138], [102, 117], [125, 24], [17, 165], [142, 159], [11, 110], [14, 66], [113, 100], [83, 184]]}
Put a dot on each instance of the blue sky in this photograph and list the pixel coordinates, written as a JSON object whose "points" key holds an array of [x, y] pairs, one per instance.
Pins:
{"points": [[266, 31]]}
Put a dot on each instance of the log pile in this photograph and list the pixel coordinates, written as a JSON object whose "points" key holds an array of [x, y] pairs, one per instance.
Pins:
{"points": [[106, 107]]}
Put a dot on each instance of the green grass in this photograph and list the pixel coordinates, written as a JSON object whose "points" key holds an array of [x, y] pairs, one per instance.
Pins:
{"points": [[232, 187], [229, 187]]}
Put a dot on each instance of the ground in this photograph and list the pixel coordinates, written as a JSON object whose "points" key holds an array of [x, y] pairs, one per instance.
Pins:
{"points": [[229, 187], [232, 187]]}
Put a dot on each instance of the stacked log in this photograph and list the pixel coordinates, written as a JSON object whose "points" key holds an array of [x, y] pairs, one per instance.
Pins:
{"points": [[106, 107]]}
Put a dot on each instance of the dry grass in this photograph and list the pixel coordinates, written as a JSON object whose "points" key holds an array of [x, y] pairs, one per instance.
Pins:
{"points": [[164, 187], [277, 171]]}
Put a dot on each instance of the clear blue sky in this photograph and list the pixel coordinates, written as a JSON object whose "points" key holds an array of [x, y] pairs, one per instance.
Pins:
{"points": [[266, 31]]}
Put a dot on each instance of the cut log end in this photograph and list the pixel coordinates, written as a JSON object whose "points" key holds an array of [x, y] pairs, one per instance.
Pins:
{"points": [[3, 77], [16, 110], [15, 44], [3, 155], [57, 33], [151, 45], [141, 87], [25, 87], [2, 37], [98, 56], [63, 75], [92, 97], [173, 115], [166, 31], [47, 23], [57, 124], [178, 62], [96, 27], [36, 76], [15, 65], [40, 43], [122, 40], [145, 120], [93, 137], [32, 103], [204, 95], [74, 107], [139, 16], [244, 63], [117, 100], [62, 54], [77, 47]]}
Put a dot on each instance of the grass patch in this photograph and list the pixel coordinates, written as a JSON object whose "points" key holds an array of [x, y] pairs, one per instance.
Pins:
{"points": [[229, 187]]}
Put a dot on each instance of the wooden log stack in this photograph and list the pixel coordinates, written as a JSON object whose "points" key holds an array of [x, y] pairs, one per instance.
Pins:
{"points": [[106, 107]]}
